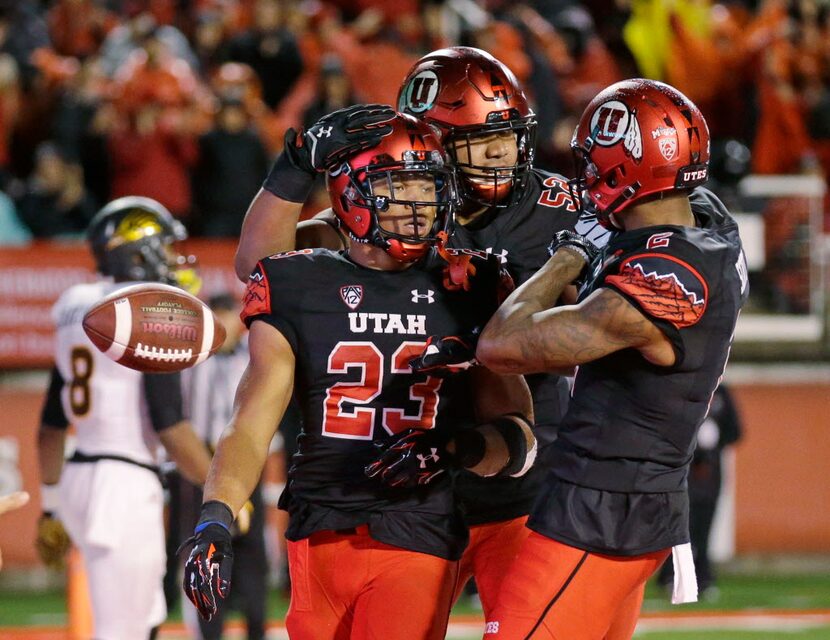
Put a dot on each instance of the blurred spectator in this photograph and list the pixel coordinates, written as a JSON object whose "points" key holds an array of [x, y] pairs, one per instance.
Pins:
{"points": [[131, 35], [12, 229], [78, 27], [232, 164], [22, 31], [73, 126], [209, 42], [270, 50], [151, 153], [334, 91], [55, 202], [9, 108], [721, 429]]}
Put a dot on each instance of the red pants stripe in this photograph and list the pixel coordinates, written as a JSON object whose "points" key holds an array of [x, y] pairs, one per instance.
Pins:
{"points": [[557, 592], [349, 586]]}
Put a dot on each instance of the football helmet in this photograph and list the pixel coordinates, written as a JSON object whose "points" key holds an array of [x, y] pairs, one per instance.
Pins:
{"points": [[131, 239], [466, 93], [363, 187], [635, 139]]}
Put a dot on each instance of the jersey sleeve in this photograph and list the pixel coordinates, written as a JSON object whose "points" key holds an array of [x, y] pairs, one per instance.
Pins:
{"points": [[272, 292], [52, 414], [665, 281], [163, 393]]}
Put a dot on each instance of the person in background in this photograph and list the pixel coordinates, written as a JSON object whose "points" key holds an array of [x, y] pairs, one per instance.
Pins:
{"points": [[56, 202], [209, 392], [108, 494], [232, 160], [721, 429]]}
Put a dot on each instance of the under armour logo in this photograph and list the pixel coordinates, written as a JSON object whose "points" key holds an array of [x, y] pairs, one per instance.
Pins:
{"points": [[501, 255], [429, 296], [325, 131], [433, 456]]}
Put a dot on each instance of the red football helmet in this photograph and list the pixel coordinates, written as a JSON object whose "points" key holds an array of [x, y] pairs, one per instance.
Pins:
{"points": [[467, 93], [411, 150], [635, 139]]}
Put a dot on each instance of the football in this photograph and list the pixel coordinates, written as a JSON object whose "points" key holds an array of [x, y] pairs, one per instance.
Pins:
{"points": [[154, 328]]}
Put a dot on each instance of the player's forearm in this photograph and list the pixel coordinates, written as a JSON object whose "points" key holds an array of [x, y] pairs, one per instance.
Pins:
{"points": [[503, 345], [50, 447], [236, 468], [269, 227], [190, 454]]}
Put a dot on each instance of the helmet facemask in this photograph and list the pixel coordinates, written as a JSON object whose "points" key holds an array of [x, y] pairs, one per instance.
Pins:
{"points": [[498, 186], [402, 225]]}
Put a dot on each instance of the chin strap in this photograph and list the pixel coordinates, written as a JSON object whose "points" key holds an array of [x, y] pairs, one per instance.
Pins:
{"points": [[459, 268]]}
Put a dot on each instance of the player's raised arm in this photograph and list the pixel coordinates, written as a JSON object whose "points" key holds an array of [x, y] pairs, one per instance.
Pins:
{"points": [[271, 220], [261, 399], [527, 334]]}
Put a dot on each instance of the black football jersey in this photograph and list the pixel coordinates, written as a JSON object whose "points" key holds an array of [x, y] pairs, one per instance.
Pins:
{"points": [[618, 469], [520, 236], [353, 331]]}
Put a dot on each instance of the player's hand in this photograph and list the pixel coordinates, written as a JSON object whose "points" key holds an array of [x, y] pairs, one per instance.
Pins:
{"points": [[578, 244], [446, 355], [414, 459], [52, 541], [207, 572], [338, 135]]}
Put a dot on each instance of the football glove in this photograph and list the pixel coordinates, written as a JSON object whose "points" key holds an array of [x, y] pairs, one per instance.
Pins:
{"points": [[207, 572], [339, 135], [52, 541], [581, 245], [415, 458], [332, 139], [446, 355]]}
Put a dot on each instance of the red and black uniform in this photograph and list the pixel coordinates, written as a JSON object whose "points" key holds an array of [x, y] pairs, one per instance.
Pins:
{"points": [[353, 331], [519, 235], [616, 483]]}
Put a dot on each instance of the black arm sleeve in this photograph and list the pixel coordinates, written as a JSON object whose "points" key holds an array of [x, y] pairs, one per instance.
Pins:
{"points": [[52, 414], [163, 392]]}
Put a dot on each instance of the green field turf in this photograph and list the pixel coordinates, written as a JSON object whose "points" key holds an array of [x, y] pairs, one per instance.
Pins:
{"points": [[737, 593]]}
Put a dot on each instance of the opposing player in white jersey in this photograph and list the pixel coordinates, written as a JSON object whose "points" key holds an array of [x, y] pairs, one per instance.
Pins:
{"points": [[109, 494]]}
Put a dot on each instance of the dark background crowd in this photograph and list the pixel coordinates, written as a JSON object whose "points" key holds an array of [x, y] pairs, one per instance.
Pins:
{"points": [[186, 101]]}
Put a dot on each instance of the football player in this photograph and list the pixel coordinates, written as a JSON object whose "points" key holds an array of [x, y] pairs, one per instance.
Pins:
{"points": [[508, 208], [651, 335], [109, 494], [339, 328]]}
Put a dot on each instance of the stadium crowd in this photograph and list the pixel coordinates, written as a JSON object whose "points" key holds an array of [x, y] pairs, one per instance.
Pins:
{"points": [[185, 101]]}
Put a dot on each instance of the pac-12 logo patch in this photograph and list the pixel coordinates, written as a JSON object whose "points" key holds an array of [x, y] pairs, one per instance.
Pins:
{"points": [[352, 295]]}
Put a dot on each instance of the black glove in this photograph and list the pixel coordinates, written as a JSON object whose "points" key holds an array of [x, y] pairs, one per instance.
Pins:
{"points": [[332, 139], [581, 245], [414, 459], [207, 572], [446, 355]]}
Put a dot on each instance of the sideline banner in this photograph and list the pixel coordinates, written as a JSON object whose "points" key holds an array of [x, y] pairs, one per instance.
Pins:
{"points": [[33, 277]]}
